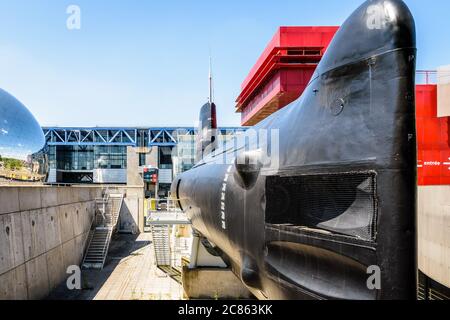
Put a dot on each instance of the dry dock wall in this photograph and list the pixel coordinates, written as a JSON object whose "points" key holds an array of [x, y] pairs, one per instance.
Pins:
{"points": [[43, 230]]}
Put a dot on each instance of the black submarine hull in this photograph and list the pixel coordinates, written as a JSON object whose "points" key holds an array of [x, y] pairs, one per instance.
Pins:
{"points": [[338, 200]]}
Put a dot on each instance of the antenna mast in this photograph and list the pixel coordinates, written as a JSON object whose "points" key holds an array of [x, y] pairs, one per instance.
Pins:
{"points": [[211, 90]]}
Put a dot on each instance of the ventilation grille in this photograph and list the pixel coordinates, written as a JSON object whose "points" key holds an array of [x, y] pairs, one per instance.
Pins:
{"points": [[342, 204], [421, 292]]}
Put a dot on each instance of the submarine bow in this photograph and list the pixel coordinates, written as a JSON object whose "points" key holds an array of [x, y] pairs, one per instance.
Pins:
{"points": [[335, 218]]}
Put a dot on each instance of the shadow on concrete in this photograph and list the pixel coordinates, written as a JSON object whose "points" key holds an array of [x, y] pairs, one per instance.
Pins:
{"points": [[172, 272], [122, 247], [126, 221]]}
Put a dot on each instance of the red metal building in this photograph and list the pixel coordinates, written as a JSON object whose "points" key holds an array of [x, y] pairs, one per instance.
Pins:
{"points": [[283, 71], [433, 137]]}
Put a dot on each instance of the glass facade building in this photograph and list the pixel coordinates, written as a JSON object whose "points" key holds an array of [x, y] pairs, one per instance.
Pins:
{"points": [[84, 158], [101, 155]]}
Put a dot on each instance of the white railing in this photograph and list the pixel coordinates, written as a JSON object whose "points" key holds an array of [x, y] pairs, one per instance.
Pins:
{"points": [[166, 211]]}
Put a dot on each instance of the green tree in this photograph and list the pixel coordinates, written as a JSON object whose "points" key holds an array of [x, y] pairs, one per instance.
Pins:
{"points": [[12, 164]]}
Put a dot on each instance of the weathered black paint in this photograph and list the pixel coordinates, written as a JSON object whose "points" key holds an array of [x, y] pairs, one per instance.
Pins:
{"points": [[357, 116], [207, 131]]}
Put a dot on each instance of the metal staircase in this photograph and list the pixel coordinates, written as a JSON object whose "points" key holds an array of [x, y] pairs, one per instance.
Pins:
{"points": [[107, 215], [161, 244]]}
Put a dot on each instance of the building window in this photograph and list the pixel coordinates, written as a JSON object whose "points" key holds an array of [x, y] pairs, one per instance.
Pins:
{"points": [[52, 157], [111, 157], [75, 158], [165, 157], [142, 159]]}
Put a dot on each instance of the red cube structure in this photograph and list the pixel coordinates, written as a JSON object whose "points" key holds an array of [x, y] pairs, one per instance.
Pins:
{"points": [[283, 71]]}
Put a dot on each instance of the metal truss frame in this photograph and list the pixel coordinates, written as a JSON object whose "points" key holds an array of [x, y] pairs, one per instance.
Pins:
{"points": [[161, 137]]}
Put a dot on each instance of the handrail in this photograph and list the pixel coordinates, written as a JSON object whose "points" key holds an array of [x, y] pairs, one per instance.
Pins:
{"points": [[110, 213], [432, 76], [116, 215], [167, 205], [426, 76], [89, 238]]}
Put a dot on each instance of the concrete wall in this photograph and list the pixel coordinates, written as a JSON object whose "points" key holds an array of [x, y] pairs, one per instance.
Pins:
{"points": [[213, 283], [443, 91], [434, 233], [134, 171], [132, 213], [134, 178], [151, 158], [43, 230]]}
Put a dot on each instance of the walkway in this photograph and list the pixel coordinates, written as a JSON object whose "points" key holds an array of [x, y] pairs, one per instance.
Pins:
{"points": [[129, 274]]}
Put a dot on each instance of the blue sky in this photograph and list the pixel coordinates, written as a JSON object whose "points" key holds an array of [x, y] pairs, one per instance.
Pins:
{"points": [[145, 62]]}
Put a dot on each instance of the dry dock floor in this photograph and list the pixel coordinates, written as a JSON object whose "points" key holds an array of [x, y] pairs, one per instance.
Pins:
{"points": [[129, 274]]}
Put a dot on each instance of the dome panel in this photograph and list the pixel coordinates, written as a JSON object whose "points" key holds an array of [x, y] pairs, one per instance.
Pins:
{"points": [[22, 143]]}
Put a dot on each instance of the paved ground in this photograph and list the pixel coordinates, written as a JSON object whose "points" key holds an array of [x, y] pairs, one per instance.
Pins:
{"points": [[129, 274]]}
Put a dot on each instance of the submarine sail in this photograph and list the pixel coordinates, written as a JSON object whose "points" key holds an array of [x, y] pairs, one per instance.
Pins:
{"points": [[330, 214]]}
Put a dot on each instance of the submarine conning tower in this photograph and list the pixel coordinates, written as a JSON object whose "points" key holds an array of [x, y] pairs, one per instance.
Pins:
{"points": [[337, 203]]}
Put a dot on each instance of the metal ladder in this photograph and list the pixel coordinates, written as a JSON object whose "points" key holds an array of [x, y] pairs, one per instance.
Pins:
{"points": [[108, 211], [161, 245]]}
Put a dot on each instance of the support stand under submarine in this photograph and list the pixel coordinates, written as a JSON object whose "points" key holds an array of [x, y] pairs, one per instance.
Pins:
{"points": [[341, 198]]}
